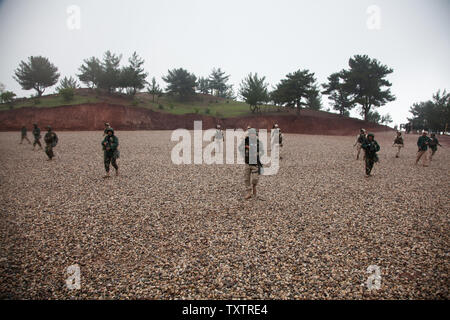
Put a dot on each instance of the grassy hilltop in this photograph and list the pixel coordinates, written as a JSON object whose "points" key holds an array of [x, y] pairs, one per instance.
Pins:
{"points": [[201, 104]]}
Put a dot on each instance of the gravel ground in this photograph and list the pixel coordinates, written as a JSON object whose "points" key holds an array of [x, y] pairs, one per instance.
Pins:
{"points": [[161, 231]]}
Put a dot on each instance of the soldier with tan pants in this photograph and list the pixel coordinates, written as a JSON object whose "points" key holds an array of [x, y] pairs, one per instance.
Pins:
{"points": [[422, 153], [398, 143], [360, 139], [252, 149]]}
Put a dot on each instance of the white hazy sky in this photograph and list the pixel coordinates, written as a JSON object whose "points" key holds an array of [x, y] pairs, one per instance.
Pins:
{"points": [[271, 37]]}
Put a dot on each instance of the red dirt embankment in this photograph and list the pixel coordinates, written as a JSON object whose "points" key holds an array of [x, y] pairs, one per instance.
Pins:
{"points": [[93, 116]]}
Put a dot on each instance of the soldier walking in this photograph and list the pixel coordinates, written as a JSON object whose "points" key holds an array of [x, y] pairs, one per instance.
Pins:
{"points": [[360, 139], [423, 143], [110, 152], [219, 136], [371, 147], [398, 143], [50, 139], [24, 135], [252, 148], [434, 142], [37, 136]]}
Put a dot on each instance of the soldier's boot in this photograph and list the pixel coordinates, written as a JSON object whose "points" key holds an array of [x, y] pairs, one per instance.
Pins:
{"points": [[254, 190], [117, 172], [106, 175], [249, 195]]}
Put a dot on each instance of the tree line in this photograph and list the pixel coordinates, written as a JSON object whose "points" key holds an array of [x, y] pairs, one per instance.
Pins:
{"points": [[364, 84], [432, 115]]}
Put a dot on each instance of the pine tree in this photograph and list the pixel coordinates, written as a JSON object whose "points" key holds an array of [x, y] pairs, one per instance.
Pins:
{"points": [[38, 74]]}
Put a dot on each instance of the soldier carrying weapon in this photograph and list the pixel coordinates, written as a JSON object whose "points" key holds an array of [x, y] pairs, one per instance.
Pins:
{"points": [[399, 143], [51, 139], [371, 147], [110, 152], [434, 142], [252, 148], [37, 136]]}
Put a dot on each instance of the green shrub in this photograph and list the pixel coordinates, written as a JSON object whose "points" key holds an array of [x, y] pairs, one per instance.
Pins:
{"points": [[8, 98], [67, 93], [135, 102], [36, 101], [161, 107], [196, 110], [207, 111]]}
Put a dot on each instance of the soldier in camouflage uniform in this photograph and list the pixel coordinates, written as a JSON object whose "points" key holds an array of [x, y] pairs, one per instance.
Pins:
{"points": [[50, 139], [37, 136], [399, 143], [252, 148], [24, 135], [110, 152], [360, 139], [371, 148], [423, 143], [434, 142]]}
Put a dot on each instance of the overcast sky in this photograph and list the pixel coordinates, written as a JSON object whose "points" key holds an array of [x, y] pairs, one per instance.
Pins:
{"points": [[271, 37]]}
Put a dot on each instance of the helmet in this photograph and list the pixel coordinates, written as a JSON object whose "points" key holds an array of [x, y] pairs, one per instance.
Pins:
{"points": [[370, 134], [109, 129]]}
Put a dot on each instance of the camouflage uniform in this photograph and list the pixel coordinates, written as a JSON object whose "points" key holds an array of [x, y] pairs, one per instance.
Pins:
{"points": [[37, 136], [371, 148], [398, 142], [24, 135], [423, 143], [434, 142], [110, 152], [252, 149], [51, 139]]}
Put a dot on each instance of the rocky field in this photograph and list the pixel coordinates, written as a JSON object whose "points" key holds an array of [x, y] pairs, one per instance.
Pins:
{"points": [[166, 231]]}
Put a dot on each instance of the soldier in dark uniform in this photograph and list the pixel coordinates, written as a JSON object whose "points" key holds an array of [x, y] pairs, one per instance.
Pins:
{"points": [[24, 135], [252, 148], [110, 152], [423, 143], [434, 142], [371, 148], [50, 139], [37, 136], [399, 143]]}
